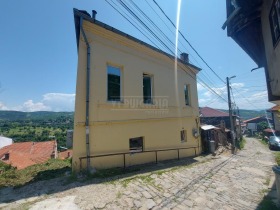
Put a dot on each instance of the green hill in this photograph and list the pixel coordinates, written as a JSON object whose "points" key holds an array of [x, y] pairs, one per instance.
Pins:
{"points": [[42, 115], [248, 114]]}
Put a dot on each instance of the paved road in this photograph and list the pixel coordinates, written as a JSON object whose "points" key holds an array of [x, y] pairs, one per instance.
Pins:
{"points": [[228, 182]]}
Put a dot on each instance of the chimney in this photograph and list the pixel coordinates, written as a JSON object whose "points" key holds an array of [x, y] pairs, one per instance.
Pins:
{"points": [[94, 14], [184, 57]]}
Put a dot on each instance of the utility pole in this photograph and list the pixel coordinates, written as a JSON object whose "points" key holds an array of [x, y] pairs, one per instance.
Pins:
{"points": [[230, 115], [239, 119]]}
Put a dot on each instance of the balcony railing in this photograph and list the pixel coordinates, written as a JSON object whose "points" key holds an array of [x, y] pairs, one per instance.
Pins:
{"points": [[130, 153]]}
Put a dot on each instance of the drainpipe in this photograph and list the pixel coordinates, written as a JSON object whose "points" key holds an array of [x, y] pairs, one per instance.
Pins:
{"points": [[87, 94]]}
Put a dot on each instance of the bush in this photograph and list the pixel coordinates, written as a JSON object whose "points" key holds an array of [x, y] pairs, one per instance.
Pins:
{"points": [[277, 158], [49, 170]]}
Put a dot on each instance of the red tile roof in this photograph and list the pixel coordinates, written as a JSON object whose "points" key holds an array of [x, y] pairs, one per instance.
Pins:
{"points": [[268, 130], [209, 112], [65, 154], [275, 108], [24, 154]]}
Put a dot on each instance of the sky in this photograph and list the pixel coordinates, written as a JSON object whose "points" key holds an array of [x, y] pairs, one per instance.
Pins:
{"points": [[38, 51]]}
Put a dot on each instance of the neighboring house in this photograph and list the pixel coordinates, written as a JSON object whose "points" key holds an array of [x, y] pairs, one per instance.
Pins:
{"points": [[4, 141], [24, 154], [255, 26], [252, 124], [65, 154], [212, 133], [214, 117], [275, 111], [130, 99]]}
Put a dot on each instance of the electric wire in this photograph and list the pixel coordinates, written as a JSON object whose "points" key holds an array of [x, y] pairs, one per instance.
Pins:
{"points": [[201, 82], [188, 42]]}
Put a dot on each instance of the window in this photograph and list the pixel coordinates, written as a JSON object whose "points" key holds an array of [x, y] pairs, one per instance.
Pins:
{"points": [[7, 156], [274, 19], [136, 144], [147, 89], [187, 95], [183, 135], [114, 83]]}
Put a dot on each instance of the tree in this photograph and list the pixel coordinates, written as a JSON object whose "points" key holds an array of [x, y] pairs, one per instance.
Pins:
{"points": [[262, 126]]}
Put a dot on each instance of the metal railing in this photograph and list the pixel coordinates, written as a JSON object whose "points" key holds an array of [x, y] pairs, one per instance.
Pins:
{"points": [[131, 153]]}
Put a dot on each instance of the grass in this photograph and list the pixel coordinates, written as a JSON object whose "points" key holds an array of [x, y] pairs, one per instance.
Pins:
{"points": [[241, 144], [264, 142], [10, 176], [277, 158]]}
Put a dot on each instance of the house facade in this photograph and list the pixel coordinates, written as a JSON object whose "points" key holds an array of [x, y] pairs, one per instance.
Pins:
{"points": [[275, 112], [255, 27], [252, 124], [130, 98]]}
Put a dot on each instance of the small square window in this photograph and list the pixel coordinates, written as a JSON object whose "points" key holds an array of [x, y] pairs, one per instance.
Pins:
{"points": [[136, 144], [183, 135], [187, 95]]}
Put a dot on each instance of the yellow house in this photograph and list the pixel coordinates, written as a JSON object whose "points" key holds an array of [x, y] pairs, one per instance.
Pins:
{"points": [[134, 103]]}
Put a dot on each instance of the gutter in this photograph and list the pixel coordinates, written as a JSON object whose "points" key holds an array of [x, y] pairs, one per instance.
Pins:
{"points": [[87, 94], [230, 18]]}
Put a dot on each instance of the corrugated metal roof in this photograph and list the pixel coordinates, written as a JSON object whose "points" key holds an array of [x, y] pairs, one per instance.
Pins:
{"points": [[208, 127]]}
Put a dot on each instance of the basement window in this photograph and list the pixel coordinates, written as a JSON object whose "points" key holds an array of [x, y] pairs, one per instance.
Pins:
{"points": [[183, 136], [136, 144], [114, 83], [274, 18]]}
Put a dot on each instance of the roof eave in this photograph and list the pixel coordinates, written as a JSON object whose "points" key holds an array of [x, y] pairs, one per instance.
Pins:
{"points": [[78, 14]]}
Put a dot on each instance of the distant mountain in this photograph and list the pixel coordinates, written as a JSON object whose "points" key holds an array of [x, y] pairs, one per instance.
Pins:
{"points": [[248, 114], [42, 115]]}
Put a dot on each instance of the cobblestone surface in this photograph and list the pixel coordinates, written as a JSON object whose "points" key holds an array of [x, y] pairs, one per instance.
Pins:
{"points": [[228, 182]]}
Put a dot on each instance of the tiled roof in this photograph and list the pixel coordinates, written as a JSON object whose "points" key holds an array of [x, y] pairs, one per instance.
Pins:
{"points": [[268, 130], [209, 112], [65, 154], [24, 154], [275, 108]]}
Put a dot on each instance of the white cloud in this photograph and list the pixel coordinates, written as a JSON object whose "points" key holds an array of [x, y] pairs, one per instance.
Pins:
{"points": [[3, 107], [59, 101], [30, 106], [243, 97], [51, 102]]}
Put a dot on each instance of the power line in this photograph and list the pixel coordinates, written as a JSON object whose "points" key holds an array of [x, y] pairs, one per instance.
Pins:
{"points": [[139, 20], [188, 42], [131, 23], [200, 81]]}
